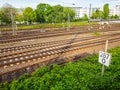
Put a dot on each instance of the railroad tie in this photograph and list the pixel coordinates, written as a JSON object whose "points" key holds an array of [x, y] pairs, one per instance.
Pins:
{"points": [[28, 60], [34, 59], [11, 65], [23, 62], [43, 57], [5, 66], [17, 63]]}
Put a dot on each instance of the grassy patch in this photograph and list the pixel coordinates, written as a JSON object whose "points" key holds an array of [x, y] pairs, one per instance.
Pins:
{"points": [[97, 34], [56, 25]]}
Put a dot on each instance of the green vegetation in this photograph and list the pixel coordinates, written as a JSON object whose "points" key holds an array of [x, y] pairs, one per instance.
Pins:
{"points": [[114, 17], [98, 14], [29, 15], [82, 75], [96, 34], [106, 11], [55, 25], [45, 13], [7, 12]]}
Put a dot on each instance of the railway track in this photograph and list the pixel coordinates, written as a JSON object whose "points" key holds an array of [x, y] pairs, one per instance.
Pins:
{"points": [[27, 56], [13, 70], [18, 59], [21, 38], [35, 46], [30, 31], [37, 34]]}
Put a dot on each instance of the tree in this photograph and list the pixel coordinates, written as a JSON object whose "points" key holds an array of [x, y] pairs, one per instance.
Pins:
{"points": [[49, 14], [116, 16], [2, 17], [19, 16], [106, 11], [58, 13], [8, 11], [70, 12], [29, 15], [98, 14], [42, 11], [85, 17]]}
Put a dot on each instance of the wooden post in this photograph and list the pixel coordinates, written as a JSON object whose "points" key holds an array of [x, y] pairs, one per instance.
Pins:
{"points": [[103, 67]]}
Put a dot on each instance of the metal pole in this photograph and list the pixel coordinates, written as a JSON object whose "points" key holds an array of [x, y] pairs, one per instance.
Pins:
{"points": [[89, 16], [103, 67], [0, 31], [63, 16], [0, 27], [12, 19], [68, 21], [16, 28], [89, 10]]}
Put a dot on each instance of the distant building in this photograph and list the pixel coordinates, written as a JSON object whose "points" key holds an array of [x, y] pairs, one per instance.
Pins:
{"points": [[80, 11], [86, 11], [95, 9], [115, 10]]}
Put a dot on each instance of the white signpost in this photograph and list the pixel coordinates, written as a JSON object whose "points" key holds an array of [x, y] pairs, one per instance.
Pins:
{"points": [[104, 58]]}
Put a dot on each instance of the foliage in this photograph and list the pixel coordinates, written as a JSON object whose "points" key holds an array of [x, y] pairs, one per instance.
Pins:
{"points": [[106, 11], [85, 17], [54, 14], [58, 13], [44, 13], [69, 13], [19, 16], [41, 12], [114, 17], [97, 34], [8, 11], [29, 15], [98, 14], [82, 75], [3, 17]]}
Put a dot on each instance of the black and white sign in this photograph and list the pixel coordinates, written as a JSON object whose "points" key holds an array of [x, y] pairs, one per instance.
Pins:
{"points": [[104, 58]]}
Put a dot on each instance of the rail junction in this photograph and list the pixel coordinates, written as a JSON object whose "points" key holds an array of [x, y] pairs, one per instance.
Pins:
{"points": [[30, 49]]}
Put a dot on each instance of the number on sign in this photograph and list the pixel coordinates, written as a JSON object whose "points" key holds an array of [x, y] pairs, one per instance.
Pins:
{"points": [[104, 58]]}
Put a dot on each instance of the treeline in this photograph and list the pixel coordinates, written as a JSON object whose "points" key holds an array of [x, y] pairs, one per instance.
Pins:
{"points": [[44, 13]]}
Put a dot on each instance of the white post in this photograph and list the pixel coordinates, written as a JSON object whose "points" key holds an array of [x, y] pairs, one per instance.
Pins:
{"points": [[68, 21], [12, 23], [16, 28], [0, 31], [63, 16], [106, 46], [103, 67], [89, 17]]}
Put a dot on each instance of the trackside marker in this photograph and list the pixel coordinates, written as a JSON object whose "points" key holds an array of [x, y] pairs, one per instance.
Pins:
{"points": [[104, 58]]}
